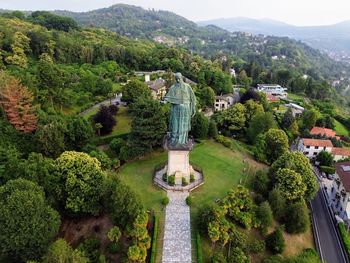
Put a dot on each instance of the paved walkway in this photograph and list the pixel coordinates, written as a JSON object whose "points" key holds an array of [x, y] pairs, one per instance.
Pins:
{"points": [[177, 233]]}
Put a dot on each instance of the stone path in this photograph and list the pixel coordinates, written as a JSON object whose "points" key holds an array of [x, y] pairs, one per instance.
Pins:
{"points": [[177, 233]]}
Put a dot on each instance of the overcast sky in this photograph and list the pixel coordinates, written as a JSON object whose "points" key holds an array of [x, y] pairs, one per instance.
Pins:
{"points": [[297, 12]]}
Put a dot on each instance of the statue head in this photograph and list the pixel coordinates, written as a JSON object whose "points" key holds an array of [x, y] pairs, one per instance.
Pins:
{"points": [[178, 77]]}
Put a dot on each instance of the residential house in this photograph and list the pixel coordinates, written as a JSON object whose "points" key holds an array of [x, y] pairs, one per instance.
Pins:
{"points": [[297, 110], [223, 102], [340, 153], [325, 132], [340, 190], [272, 99], [273, 89], [312, 147], [158, 88]]}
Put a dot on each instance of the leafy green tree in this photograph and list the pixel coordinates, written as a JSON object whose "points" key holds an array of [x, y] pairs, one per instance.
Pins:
{"points": [[137, 254], [259, 124], [213, 129], [297, 218], [134, 90], [81, 181], [287, 119], [218, 257], [243, 79], [61, 252], [114, 234], [27, 222], [252, 109], [200, 126], [79, 133], [259, 148], [278, 203], [148, 126], [277, 144], [261, 182], [238, 256], [233, 119], [103, 158], [299, 163], [206, 96], [309, 119], [275, 241], [19, 46], [116, 144], [264, 214], [325, 158], [291, 184]]}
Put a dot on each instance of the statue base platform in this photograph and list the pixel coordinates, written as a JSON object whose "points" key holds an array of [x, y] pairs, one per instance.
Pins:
{"points": [[179, 163]]}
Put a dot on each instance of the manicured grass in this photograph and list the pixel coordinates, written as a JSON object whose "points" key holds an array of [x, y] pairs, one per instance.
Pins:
{"points": [[123, 122], [295, 97], [222, 167], [340, 129]]}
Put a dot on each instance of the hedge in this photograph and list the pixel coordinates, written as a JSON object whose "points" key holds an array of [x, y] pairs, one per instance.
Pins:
{"points": [[327, 169], [345, 237], [154, 240], [199, 248]]}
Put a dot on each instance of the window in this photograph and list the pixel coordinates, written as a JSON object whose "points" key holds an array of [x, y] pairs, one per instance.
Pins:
{"points": [[307, 146], [315, 153], [306, 153], [316, 147], [324, 148]]}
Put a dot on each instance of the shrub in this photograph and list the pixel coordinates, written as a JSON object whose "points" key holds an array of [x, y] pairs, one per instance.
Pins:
{"points": [[171, 180], [184, 181], [277, 203], [189, 200], [261, 183], [256, 246], [114, 248], [275, 241], [224, 141], [192, 179], [345, 237], [116, 144], [115, 164], [90, 248], [103, 158], [327, 169], [114, 234], [165, 200], [218, 257], [113, 109], [165, 177], [213, 129], [238, 256], [264, 214], [297, 218]]}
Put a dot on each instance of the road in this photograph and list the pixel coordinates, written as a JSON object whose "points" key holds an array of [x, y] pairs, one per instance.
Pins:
{"points": [[97, 105], [331, 250]]}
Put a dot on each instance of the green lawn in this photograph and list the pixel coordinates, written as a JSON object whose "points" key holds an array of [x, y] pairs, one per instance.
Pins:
{"points": [[340, 128], [295, 97]]}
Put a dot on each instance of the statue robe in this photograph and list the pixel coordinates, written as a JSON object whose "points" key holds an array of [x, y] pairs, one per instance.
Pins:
{"points": [[183, 107]]}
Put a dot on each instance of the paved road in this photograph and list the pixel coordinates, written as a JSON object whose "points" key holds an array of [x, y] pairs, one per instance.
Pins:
{"points": [[330, 248], [97, 105]]}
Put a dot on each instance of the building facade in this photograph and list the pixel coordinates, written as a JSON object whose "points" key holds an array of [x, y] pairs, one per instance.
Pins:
{"points": [[312, 147]]}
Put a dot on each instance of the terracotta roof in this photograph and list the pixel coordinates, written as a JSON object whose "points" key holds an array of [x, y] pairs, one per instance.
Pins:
{"points": [[341, 151], [272, 98], [343, 170], [323, 131], [317, 142]]}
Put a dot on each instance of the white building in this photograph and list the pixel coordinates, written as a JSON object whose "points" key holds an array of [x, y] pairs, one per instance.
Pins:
{"points": [[158, 88], [312, 147], [340, 190], [297, 110], [223, 102], [340, 153], [273, 89]]}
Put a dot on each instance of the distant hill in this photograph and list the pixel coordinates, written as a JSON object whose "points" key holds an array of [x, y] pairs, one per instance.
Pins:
{"points": [[330, 37]]}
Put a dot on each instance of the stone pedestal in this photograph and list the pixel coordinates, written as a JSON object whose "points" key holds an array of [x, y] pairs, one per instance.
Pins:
{"points": [[179, 163]]}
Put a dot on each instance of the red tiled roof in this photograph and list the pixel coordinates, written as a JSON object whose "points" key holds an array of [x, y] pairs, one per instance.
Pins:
{"points": [[272, 98], [317, 142], [341, 151], [344, 174], [323, 131]]}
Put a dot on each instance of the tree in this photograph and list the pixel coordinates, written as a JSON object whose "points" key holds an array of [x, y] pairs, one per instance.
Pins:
{"points": [[103, 158], [114, 234], [116, 144], [19, 46], [299, 163], [137, 254], [81, 181], [218, 257], [287, 119], [275, 241], [27, 222], [200, 126], [243, 79], [206, 96], [134, 90], [291, 184], [297, 218], [264, 214], [233, 119], [325, 158], [278, 203], [17, 102], [259, 124], [309, 119], [213, 129], [259, 148], [79, 133], [106, 119], [277, 144], [261, 182], [250, 94], [252, 109], [238, 256], [61, 252], [148, 126]]}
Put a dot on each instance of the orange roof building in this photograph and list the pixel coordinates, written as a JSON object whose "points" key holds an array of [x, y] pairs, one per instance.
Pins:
{"points": [[329, 133]]}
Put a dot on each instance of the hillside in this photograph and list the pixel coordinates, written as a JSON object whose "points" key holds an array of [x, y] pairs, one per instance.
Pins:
{"points": [[171, 29], [331, 38]]}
